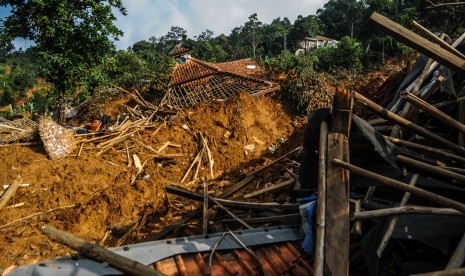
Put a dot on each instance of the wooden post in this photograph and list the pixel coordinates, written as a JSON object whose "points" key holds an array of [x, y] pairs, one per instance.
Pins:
{"points": [[419, 43], [321, 206], [337, 220], [447, 202], [98, 253], [408, 124]]}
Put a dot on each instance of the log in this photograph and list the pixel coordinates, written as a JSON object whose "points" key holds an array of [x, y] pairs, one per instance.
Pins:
{"points": [[408, 124], [321, 206], [441, 200], [8, 194], [419, 43], [434, 112], [275, 188], [405, 210], [393, 221], [456, 261], [436, 39], [336, 248], [437, 171], [98, 253]]}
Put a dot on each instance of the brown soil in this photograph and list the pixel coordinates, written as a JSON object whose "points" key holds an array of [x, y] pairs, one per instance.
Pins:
{"points": [[94, 191]]}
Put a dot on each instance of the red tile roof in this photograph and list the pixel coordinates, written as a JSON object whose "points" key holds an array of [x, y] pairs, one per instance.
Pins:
{"points": [[190, 71], [285, 258], [239, 67], [179, 50]]}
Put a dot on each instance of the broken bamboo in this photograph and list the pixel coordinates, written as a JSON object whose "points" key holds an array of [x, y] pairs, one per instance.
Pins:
{"points": [[434, 112], [275, 188], [405, 210], [408, 124], [436, 39], [402, 186]]}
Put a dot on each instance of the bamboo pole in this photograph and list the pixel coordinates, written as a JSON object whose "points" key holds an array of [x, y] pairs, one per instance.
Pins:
{"points": [[427, 149], [98, 253], [393, 221], [217, 202], [456, 261], [434, 112], [436, 39], [205, 206], [275, 188], [405, 210], [321, 206], [430, 169], [408, 124], [447, 202]]}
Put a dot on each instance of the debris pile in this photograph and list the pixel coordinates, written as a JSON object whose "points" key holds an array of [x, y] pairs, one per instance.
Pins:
{"points": [[374, 194]]}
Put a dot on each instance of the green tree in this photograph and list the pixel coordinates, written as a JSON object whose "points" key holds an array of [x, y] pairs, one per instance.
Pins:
{"points": [[73, 36], [342, 17], [276, 35], [303, 27]]}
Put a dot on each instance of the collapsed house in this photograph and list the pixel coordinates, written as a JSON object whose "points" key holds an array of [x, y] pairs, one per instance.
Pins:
{"points": [[389, 186], [194, 81]]}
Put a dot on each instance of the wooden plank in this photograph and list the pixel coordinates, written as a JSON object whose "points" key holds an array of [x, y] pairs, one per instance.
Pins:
{"points": [[337, 230], [418, 43]]}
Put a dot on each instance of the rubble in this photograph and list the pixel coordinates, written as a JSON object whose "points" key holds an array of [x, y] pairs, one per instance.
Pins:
{"points": [[376, 194]]}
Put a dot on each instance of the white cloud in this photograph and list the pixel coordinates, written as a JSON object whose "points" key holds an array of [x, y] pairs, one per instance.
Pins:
{"points": [[147, 18]]}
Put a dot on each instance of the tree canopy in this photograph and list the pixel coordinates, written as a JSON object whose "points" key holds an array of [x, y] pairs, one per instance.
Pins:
{"points": [[72, 36]]}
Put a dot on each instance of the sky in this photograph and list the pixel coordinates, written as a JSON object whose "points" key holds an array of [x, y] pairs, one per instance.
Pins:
{"points": [[147, 18]]}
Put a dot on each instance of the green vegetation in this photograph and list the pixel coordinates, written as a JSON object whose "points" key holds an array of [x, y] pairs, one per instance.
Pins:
{"points": [[78, 69]]}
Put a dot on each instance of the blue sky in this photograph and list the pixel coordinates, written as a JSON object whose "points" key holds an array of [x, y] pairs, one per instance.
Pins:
{"points": [[147, 18]]}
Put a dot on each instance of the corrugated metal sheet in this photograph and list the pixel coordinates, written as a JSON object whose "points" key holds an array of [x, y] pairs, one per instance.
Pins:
{"points": [[285, 258]]}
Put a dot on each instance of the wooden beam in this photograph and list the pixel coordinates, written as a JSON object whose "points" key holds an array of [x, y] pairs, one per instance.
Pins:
{"points": [[6, 196], [419, 43], [337, 221], [405, 210]]}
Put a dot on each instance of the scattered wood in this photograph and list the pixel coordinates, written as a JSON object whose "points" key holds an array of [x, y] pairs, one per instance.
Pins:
{"points": [[419, 43]]}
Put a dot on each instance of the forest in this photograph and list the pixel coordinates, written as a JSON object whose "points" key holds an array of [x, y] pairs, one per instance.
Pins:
{"points": [[146, 63]]}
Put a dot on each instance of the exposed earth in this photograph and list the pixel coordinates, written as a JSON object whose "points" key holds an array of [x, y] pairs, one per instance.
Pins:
{"points": [[90, 195]]}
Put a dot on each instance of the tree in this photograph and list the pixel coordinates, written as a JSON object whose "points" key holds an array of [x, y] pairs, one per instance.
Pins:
{"points": [[303, 27], [252, 26], [342, 17], [73, 36]]}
